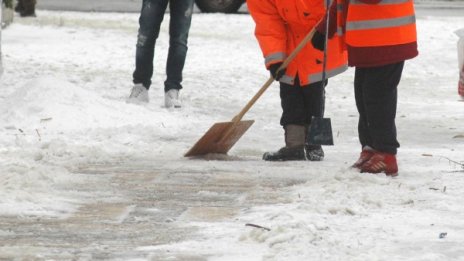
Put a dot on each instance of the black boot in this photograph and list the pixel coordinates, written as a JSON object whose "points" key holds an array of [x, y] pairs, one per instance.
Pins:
{"points": [[314, 152], [286, 153], [294, 145]]}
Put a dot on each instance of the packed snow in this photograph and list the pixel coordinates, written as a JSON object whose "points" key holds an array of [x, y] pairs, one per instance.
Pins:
{"points": [[63, 108]]}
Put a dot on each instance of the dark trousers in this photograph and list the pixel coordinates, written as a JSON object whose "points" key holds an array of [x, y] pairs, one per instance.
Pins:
{"points": [[376, 94], [300, 104], [151, 16]]}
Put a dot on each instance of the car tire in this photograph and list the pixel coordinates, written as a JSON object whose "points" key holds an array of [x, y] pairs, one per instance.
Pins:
{"points": [[219, 6]]}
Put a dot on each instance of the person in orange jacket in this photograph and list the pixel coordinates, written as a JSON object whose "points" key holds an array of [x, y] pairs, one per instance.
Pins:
{"points": [[379, 35], [280, 27]]}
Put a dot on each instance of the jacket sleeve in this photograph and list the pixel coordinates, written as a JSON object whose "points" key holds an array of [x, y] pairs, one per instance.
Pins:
{"points": [[270, 30], [332, 21]]}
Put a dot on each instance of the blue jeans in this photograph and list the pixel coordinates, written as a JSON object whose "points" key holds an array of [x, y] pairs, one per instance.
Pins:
{"points": [[151, 16]]}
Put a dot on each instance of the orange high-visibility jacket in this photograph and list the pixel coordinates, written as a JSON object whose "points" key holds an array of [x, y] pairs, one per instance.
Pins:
{"points": [[280, 27], [388, 22]]}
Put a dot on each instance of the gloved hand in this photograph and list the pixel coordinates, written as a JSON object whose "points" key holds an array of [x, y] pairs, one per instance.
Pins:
{"points": [[318, 41], [273, 69]]}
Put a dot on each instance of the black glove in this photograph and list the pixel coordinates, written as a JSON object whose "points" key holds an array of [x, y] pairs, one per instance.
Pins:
{"points": [[318, 41], [273, 69]]}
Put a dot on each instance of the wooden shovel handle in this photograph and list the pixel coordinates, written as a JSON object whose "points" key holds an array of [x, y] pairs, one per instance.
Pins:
{"points": [[284, 65]]}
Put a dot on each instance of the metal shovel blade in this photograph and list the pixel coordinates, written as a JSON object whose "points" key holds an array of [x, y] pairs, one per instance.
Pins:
{"points": [[220, 138], [320, 132]]}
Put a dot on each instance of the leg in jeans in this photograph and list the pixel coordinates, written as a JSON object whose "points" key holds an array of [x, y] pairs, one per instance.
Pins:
{"points": [[179, 26], [150, 20], [380, 94]]}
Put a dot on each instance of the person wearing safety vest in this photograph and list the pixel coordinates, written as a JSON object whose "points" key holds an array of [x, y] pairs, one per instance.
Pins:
{"points": [[379, 36], [280, 27]]}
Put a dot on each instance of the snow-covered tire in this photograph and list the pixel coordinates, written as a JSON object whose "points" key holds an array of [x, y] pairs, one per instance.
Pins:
{"points": [[219, 6]]}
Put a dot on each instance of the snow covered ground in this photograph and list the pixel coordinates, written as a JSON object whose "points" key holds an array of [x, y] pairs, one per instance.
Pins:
{"points": [[65, 128]]}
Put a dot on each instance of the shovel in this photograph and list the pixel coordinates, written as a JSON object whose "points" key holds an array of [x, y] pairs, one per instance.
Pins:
{"points": [[222, 136], [320, 130]]}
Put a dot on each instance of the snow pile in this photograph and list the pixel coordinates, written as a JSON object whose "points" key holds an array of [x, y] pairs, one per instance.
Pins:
{"points": [[31, 189], [55, 104], [334, 217]]}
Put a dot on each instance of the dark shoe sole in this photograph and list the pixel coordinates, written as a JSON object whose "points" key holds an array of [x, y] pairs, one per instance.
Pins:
{"points": [[285, 154]]}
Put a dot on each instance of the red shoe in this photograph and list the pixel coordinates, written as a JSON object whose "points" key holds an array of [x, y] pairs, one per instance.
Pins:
{"points": [[366, 154], [381, 162]]}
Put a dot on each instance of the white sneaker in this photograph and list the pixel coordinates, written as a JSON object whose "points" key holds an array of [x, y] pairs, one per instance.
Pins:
{"points": [[138, 94], [171, 99]]}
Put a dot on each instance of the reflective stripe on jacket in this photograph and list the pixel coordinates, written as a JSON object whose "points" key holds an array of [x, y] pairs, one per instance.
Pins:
{"points": [[281, 25], [389, 22]]}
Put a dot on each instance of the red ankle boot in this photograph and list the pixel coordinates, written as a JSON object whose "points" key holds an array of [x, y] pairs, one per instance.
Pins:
{"points": [[365, 155], [381, 162]]}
